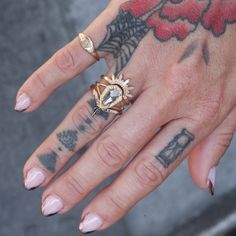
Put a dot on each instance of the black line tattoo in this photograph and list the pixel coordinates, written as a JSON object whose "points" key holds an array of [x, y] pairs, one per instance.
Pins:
{"points": [[49, 161], [175, 148], [68, 138], [93, 106], [205, 53], [123, 37], [188, 51], [60, 149]]}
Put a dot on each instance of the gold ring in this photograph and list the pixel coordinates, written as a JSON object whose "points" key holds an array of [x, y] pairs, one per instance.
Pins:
{"points": [[88, 45], [111, 94]]}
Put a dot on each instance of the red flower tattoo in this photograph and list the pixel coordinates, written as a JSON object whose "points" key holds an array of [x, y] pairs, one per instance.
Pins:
{"points": [[218, 15], [178, 18], [167, 19], [140, 7]]}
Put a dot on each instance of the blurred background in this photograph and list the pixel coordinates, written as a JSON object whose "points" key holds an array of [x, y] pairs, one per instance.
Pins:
{"points": [[30, 32]]}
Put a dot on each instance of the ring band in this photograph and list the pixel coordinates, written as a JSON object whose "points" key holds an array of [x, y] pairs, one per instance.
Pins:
{"points": [[88, 45], [111, 94]]}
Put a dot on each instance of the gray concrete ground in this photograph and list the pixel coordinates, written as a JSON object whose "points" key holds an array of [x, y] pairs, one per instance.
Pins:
{"points": [[30, 32]]}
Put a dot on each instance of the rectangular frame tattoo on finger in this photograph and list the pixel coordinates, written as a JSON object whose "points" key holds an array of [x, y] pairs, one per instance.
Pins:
{"points": [[175, 148]]}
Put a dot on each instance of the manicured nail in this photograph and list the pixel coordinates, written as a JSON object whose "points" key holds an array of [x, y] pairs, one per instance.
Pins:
{"points": [[52, 205], [211, 180], [23, 102], [90, 223], [34, 178]]}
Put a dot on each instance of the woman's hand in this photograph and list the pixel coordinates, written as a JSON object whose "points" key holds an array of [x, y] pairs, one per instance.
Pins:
{"points": [[180, 58]]}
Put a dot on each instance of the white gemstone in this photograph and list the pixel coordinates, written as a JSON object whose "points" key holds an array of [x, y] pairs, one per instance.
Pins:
{"points": [[115, 93], [111, 96], [86, 43]]}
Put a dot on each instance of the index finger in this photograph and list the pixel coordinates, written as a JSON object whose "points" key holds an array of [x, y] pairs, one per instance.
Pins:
{"points": [[64, 65]]}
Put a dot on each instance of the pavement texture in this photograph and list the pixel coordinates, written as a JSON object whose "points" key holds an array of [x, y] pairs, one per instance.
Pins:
{"points": [[31, 31]]}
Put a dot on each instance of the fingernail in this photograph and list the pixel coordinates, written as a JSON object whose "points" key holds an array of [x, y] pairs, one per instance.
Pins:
{"points": [[23, 102], [52, 205], [211, 180], [90, 223], [34, 178]]}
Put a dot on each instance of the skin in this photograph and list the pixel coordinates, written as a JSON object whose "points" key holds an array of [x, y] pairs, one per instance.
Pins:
{"points": [[186, 84]]}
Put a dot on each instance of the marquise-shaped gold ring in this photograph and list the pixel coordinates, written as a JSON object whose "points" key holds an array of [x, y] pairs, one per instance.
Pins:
{"points": [[88, 45]]}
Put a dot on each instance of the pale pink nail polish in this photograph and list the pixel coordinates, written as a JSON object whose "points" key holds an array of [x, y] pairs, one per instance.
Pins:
{"points": [[211, 180], [34, 178], [23, 102], [90, 223], [52, 205]]}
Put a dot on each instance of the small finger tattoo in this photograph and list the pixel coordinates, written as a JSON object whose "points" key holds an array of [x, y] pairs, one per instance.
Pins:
{"points": [[205, 53], [88, 121], [68, 138], [82, 128], [188, 51], [175, 148], [49, 161]]}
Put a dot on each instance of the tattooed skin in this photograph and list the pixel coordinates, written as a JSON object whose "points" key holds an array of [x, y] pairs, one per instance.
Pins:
{"points": [[205, 53], [123, 37], [166, 19], [49, 161], [189, 51], [175, 148], [82, 127], [88, 121], [68, 138]]}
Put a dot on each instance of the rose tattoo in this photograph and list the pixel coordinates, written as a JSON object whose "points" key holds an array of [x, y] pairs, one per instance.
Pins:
{"points": [[167, 19]]}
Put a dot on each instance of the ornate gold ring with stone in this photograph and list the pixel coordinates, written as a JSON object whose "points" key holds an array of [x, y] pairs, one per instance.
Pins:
{"points": [[111, 94], [88, 45]]}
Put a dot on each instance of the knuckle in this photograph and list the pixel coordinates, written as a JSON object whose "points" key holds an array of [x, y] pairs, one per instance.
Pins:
{"points": [[180, 81], [208, 111], [212, 108], [116, 201], [83, 118], [224, 139], [74, 185], [65, 60], [110, 153], [148, 173], [39, 78]]}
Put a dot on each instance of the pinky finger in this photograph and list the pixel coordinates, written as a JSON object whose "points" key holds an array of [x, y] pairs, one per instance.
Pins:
{"points": [[147, 171], [204, 158]]}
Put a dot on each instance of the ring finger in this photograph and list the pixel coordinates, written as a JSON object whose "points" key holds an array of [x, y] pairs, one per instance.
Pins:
{"points": [[78, 128]]}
